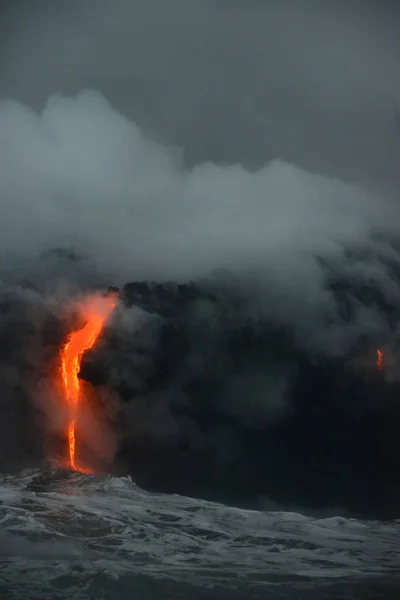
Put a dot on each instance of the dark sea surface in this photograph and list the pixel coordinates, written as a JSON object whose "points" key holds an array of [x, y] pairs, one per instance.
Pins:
{"points": [[67, 535]]}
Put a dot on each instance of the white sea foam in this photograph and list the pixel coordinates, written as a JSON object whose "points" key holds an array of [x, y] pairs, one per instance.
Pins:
{"points": [[68, 531]]}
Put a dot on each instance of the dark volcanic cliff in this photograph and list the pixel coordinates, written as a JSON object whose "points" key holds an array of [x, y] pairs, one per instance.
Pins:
{"points": [[217, 400], [218, 403]]}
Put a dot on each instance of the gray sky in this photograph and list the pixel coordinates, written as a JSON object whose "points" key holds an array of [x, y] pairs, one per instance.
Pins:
{"points": [[314, 83]]}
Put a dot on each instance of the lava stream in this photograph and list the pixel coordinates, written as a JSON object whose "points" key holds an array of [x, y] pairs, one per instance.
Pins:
{"points": [[379, 359], [71, 357]]}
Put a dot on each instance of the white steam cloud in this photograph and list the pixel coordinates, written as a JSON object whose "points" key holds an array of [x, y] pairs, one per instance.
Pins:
{"points": [[80, 174]]}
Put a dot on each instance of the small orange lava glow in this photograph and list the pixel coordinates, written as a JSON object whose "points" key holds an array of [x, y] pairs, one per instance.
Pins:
{"points": [[379, 359], [99, 308]]}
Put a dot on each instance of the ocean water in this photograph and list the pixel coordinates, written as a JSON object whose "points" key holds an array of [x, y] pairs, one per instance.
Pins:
{"points": [[68, 535]]}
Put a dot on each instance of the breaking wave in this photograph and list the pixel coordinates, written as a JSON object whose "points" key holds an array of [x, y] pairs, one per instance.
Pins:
{"points": [[72, 535]]}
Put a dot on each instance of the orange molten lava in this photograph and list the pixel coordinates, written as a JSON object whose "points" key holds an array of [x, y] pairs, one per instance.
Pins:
{"points": [[379, 359], [99, 308]]}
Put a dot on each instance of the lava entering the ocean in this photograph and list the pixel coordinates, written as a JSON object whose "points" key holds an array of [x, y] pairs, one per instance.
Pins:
{"points": [[99, 308]]}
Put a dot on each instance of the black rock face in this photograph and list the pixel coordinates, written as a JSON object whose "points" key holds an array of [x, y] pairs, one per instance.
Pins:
{"points": [[219, 404], [216, 400]]}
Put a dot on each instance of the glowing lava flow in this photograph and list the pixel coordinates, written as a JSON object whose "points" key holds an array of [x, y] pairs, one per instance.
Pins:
{"points": [[379, 359], [71, 357]]}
